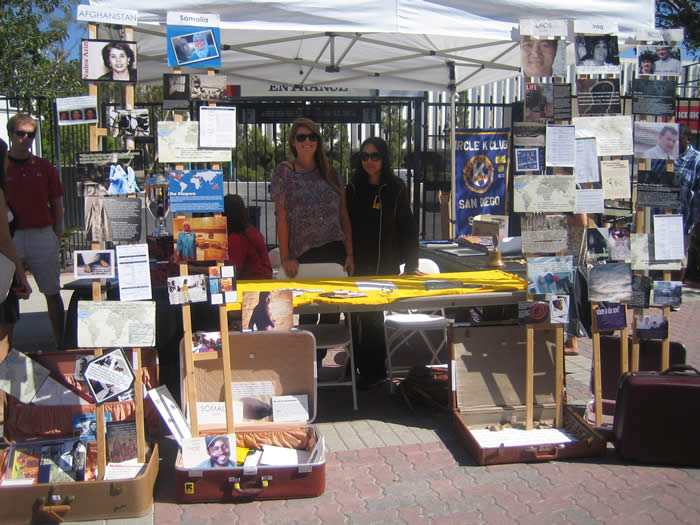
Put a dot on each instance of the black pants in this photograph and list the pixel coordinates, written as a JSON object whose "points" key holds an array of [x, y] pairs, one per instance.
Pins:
{"points": [[369, 345]]}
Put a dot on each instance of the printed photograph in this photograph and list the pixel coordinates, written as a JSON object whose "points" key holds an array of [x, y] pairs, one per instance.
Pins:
{"points": [[200, 239], [641, 290], [76, 110], [597, 244], [187, 289], [109, 376], [667, 293], [539, 102], [655, 140], [610, 282], [194, 47], [529, 134], [93, 264], [110, 173], [129, 123], [549, 275], [652, 327], [263, 311], [542, 58], [597, 54], [207, 87], [176, 91], [206, 342], [659, 59], [108, 61], [533, 312], [619, 244]]}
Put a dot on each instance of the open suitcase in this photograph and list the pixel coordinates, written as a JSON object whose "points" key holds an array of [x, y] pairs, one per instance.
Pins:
{"points": [[284, 362], [649, 360], [656, 416], [488, 398], [76, 500]]}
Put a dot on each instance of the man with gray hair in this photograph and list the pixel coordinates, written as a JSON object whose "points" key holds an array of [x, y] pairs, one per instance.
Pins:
{"points": [[34, 192]]}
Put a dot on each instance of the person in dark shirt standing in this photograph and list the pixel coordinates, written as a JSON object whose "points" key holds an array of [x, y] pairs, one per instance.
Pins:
{"points": [[34, 192]]}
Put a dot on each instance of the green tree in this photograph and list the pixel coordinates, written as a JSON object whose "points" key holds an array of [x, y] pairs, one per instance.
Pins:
{"points": [[681, 13], [255, 154], [395, 131], [33, 61]]}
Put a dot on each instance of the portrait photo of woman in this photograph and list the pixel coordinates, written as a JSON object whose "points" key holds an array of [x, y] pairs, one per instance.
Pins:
{"points": [[120, 60]]}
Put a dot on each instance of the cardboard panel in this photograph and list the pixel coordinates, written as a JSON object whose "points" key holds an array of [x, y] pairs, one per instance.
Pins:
{"points": [[490, 367]]}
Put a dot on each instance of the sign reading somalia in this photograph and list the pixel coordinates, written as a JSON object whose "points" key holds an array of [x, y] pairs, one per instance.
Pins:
{"points": [[482, 175]]}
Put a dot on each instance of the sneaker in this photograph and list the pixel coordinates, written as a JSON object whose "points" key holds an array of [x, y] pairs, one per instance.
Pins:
{"points": [[675, 307]]}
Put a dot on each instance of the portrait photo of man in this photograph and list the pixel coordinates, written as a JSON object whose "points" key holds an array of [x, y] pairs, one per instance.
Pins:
{"points": [[666, 146], [219, 450], [540, 58]]}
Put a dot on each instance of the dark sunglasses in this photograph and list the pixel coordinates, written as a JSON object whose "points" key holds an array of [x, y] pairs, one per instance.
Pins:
{"points": [[375, 156], [22, 134], [301, 137]]}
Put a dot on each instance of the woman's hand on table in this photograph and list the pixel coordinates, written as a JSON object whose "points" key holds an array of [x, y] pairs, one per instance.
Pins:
{"points": [[349, 265], [291, 267]]}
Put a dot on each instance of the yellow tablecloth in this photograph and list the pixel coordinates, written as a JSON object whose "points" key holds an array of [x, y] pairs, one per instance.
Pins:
{"points": [[408, 286]]}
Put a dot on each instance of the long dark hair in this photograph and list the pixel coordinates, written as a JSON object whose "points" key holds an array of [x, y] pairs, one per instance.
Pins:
{"points": [[236, 214], [383, 150]]}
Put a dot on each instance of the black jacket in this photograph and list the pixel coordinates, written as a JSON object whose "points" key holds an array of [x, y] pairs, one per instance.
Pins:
{"points": [[385, 237]]}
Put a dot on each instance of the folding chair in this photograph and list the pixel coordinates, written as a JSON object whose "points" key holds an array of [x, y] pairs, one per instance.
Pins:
{"points": [[400, 327], [328, 336]]}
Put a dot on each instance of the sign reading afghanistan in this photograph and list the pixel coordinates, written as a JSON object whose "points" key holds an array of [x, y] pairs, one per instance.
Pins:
{"points": [[481, 175]]}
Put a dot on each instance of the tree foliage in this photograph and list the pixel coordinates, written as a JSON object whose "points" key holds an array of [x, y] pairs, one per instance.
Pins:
{"points": [[33, 62], [681, 13]]}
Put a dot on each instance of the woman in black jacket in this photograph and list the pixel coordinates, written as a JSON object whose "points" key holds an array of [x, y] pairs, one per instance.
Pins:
{"points": [[384, 235]]}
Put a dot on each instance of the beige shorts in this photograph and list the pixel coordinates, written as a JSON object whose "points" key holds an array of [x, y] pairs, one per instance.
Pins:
{"points": [[39, 250]]}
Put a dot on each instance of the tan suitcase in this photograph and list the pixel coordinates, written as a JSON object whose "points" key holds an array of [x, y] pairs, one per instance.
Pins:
{"points": [[77, 500], [287, 360], [488, 398]]}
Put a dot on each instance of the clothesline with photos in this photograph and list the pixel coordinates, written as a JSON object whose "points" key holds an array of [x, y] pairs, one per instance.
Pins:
{"points": [[582, 165]]}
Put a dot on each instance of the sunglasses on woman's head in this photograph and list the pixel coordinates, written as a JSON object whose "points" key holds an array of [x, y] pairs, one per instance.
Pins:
{"points": [[21, 134], [301, 137], [375, 156]]}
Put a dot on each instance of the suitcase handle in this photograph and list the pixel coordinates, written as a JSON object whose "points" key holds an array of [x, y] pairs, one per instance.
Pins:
{"points": [[544, 451], [680, 368]]}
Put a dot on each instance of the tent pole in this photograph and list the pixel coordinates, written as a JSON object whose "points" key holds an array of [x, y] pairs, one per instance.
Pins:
{"points": [[453, 147]]}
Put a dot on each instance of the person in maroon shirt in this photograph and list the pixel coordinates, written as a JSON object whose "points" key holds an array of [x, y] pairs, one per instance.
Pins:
{"points": [[246, 246], [34, 193]]}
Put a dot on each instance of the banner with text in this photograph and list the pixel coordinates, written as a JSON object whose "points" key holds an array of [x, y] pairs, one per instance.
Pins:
{"points": [[481, 175]]}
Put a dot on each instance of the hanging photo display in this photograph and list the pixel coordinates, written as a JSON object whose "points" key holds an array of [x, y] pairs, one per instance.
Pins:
{"points": [[129, 123], [597, 54], [653, 97], [610, 282], [76, 110], [481, 175], [660, 59]]}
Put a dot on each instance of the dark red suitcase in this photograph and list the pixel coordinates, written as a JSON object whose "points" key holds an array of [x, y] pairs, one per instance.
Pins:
{"points": [[649, 360], [656, 416]]}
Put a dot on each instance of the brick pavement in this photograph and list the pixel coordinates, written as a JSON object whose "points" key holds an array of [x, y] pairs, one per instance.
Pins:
{"points": [[387, 465]]}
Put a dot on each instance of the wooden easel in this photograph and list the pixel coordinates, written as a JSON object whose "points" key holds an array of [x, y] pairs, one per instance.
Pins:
{"points": [[189, 358], [97, 295]]}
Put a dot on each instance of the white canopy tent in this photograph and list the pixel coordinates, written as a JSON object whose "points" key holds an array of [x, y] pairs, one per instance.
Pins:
{"points": [[409, 45], [377, 44]]}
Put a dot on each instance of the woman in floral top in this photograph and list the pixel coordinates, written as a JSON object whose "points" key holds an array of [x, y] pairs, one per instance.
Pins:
{"points": [[312, 220]]}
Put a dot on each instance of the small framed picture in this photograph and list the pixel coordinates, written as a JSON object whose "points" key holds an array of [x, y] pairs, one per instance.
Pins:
{"points": [[527, 159], [93, 264]]}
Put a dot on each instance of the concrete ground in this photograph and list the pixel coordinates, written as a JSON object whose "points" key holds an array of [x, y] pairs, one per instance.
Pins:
{"points": [[389, 464]]}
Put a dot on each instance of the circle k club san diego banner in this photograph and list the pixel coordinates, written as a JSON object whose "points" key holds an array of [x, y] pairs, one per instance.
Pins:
{"points": [[481, 175]]}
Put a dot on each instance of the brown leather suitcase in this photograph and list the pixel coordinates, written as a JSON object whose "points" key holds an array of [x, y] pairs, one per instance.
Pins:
{"points": [[78, 500], [488, 387], [286, 360], [656, 416], [649, 360]]}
